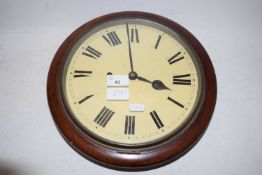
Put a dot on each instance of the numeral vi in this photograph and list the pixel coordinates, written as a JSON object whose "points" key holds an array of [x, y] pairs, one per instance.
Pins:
{"points": [[130, 125]]}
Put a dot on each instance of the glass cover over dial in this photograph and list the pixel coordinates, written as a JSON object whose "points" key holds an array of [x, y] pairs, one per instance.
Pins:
{"points": [[131, 82]]}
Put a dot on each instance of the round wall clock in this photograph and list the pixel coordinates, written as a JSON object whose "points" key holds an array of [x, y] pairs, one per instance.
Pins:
{"points": [[131, 90]]}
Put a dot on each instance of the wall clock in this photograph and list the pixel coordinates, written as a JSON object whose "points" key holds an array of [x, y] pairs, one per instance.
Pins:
{"points": [[131, 90]]}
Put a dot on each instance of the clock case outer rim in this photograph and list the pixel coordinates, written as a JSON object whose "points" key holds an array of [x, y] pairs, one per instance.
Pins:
{"points": [[136, 160]]}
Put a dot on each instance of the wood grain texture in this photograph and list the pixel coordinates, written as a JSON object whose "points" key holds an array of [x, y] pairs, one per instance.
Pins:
{"points": [[121, 158]]}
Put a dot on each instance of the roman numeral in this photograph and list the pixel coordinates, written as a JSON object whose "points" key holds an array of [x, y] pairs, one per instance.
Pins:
{"points": [[157, 42], [84, 99], [82, 73], [130, 125], [104, 116], [91, 52], [156, 119], [177, 57], [182, 79], [112, 39], [134, 35], [176, 102]]}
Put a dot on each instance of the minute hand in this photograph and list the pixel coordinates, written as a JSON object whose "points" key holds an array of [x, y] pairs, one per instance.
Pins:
{"points": [[129, 48]]}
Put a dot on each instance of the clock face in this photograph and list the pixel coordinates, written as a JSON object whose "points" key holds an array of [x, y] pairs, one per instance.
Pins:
{"points": [[131, 82]]}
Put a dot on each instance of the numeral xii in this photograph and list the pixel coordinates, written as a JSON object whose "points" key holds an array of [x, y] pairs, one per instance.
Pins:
{"points": [[134, 35]]}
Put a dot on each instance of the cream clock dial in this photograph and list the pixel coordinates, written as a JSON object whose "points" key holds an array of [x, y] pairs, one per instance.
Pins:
{"points": [[131, 90], [157, 55]]}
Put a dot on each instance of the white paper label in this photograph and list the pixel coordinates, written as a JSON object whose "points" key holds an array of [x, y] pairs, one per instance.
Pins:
{"points": [[136, 107], [117, 94], [117, 80]]}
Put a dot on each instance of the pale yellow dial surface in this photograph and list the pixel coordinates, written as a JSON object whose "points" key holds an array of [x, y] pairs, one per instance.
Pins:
{"points": [[157, 54]]}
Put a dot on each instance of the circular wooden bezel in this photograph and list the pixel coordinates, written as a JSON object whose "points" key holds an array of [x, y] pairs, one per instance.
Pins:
{"points": [[127, 158]]}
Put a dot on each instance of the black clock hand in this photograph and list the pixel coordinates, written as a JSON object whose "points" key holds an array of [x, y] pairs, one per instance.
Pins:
{"points": [[156, 84], [159, 85], [143, 79], [129, 49]]}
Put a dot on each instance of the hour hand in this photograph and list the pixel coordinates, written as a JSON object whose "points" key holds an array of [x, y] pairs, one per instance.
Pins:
{"points": [[159, 85], [156, 84], [143, 79]]}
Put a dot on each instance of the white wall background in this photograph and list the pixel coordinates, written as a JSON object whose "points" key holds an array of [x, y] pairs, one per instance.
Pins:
{"points": [[30, 34]]}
